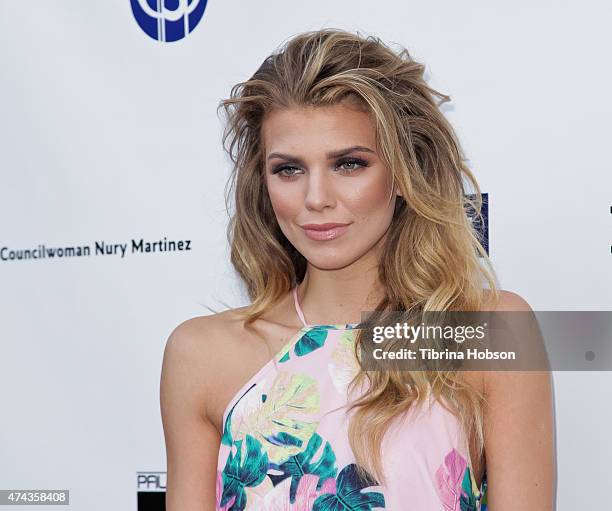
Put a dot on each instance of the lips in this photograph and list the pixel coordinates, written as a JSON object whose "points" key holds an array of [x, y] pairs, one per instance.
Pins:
{"points": [[323, 232], [322, 227]]}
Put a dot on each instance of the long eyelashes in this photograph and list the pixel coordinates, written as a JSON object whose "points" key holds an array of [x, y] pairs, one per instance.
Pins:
{"points": [[345, 161]]}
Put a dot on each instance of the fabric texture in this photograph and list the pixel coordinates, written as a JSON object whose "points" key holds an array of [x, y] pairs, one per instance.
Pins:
{"points": [[285, 440]]}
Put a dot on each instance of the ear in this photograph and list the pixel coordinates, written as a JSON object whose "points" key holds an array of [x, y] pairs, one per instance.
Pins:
{"points": [[397, 192]]}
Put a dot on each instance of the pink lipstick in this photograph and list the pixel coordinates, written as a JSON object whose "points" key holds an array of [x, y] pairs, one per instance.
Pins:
{"points": [[324, 232]]}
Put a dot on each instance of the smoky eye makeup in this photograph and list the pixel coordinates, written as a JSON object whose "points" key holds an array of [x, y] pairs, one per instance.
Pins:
{"points": [[352, 160], [283, 166], [292, 167]]}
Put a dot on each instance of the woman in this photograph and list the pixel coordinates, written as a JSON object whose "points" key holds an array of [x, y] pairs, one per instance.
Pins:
{"points": [[349, 196]]}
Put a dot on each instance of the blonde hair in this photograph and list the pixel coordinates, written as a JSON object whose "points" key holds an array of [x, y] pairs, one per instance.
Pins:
{"points": [[430, 261]]}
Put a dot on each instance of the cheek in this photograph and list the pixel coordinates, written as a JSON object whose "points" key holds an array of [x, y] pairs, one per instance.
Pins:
{"points": [[370, 201], [284, 202]]}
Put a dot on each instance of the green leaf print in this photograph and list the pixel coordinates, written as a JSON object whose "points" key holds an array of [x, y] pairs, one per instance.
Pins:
{"points": [[227, 428], [468, 501], [239, 473], [283, 423], [312, 340], [303, 463], [348, 496], [484, 505], [227, 437], [343, 365]]}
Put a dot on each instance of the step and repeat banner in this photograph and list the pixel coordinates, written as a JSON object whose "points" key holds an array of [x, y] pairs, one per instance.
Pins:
{"points": [[112, 213]]}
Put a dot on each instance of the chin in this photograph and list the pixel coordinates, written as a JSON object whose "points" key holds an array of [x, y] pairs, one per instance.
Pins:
{"points": [[328, 261]]}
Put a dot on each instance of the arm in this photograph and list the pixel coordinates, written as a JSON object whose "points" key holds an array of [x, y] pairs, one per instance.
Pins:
{"points": [[519, 426], [191, 439]]}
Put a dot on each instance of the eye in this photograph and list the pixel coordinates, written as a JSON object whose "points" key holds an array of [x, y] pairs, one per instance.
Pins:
{"points": [[282, 168], [352, 164], [347, 165]]}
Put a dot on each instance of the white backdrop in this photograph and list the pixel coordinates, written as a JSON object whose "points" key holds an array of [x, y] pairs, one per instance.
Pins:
{"points": [[109, 136]]}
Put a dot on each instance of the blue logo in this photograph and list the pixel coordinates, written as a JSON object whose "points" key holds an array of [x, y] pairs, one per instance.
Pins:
{"points": [[168, 20]]}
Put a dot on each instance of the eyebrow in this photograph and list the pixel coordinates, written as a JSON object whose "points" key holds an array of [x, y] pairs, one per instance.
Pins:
{"points": [[330, 155]]}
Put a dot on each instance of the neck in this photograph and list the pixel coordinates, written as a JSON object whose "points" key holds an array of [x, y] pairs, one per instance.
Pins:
{"points": [[328, 297]]}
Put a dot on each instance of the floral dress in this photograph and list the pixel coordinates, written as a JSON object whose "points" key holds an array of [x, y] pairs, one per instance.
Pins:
{"points": [[285, 440]]}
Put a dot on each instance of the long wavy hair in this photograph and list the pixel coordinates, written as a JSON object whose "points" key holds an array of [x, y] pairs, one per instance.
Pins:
{"points": [[431, 260]]}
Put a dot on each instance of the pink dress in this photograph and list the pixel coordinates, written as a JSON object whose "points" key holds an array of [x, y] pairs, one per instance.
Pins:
{"points": [[285, 442]]}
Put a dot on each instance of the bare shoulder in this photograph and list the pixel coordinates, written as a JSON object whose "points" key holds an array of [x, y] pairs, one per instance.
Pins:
{"points": [[519, 424], [197, 337], [216, 355], [191, 373], [202, 345], [498, 382], [508, 301]]}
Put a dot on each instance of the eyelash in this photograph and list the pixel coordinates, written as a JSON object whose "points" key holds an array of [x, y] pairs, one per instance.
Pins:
{"points": [[358, 161]]}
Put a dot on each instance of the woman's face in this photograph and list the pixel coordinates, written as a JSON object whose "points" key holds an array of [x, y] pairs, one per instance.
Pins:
{"points": [[322, 166]]}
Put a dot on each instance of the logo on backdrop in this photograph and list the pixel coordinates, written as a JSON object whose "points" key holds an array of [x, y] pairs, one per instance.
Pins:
{"points": [[168, 20], [151, 490]]}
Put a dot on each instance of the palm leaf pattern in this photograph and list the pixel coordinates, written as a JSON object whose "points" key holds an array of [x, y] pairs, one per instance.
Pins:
{"points": [[244, 467], [277, 459], [279, 419], [456, 485], [312, 339], [305, 463], [342, 365], [349, 495]]}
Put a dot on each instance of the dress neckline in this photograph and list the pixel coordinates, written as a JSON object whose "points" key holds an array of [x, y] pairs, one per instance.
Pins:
{"points": [[300, 313]]}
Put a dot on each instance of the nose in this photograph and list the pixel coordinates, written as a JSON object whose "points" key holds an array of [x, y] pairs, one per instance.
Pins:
{"points": [[319, 189]]}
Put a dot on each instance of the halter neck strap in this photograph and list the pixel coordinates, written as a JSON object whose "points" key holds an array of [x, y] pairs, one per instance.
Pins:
{"points": [[298, 309]]}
